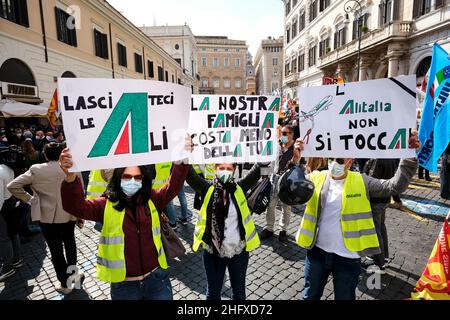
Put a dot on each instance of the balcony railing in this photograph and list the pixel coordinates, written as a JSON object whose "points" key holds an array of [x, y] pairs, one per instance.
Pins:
{"points": [[292, 77], [397, 29]]}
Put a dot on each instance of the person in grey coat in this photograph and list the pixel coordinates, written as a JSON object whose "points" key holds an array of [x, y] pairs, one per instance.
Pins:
{"points": [[58, 226]]}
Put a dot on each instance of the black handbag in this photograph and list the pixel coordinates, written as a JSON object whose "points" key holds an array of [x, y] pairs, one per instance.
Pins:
{"points": [[258, 198], [173, 247]]}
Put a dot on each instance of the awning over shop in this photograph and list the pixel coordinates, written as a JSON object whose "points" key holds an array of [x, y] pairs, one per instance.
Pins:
{"points": [[11, 108]]}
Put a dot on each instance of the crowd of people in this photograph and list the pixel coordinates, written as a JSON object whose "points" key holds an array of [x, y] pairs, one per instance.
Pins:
{"points": [[344, 219]]}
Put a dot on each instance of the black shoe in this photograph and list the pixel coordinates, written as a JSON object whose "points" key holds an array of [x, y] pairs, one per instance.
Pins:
{"points": [[183, 221], [282, 237], [428, 179], [6, 272], [17, 264], [266, 234]]}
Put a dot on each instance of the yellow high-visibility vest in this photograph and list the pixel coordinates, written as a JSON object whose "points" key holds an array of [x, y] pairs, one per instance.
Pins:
{"points": [[358, 228], [163, 171], [96, 186], [251, 236], [111, 249], [208, 170]]}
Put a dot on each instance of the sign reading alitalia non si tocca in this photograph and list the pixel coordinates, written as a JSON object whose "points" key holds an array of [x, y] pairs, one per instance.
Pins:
{"points": [[368, 119]]}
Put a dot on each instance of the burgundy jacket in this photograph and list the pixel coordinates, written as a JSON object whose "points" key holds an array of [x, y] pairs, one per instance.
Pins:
{"points": [[140, 252]]}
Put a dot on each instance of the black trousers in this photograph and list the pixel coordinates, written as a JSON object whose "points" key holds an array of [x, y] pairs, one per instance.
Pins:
{"points": [[60, 237]]}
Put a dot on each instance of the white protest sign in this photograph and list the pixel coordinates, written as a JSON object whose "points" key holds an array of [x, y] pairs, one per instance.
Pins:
{"points": [[368, 119], [234, 129], [113, 123]]}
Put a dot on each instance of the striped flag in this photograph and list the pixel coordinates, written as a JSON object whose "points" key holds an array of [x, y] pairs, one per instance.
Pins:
{"points": [[434, 284]]}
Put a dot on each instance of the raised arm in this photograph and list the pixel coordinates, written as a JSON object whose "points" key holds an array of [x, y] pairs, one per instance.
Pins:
{"points": [[196, 182], [162, 196], [73, 202], [72, 194], [379, 188], [251, 178]]}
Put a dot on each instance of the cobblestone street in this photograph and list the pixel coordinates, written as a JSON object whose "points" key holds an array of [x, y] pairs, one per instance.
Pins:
{"points": [[276, 271]]}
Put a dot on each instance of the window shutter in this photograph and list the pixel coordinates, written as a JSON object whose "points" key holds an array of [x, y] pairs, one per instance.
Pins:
{"points": [[416, 9], [335, 40], [23, 13], [396, 14], [58, 24]]}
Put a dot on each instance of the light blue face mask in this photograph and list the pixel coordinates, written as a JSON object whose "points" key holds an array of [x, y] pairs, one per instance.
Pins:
{"points": [[130, 187], [284, 139], [337, 170]]}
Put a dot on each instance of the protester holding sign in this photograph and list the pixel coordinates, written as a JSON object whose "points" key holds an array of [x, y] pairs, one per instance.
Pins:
{"points": [[337, 227], [282, 164], [225, 228], [135, 266]]}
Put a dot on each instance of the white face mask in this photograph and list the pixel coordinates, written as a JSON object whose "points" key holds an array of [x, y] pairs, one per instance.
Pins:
{"points": [[337, 170], [130, 187], [224, 175]]}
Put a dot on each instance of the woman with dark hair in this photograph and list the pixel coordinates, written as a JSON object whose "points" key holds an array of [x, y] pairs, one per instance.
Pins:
{"points": [[130, 253]]}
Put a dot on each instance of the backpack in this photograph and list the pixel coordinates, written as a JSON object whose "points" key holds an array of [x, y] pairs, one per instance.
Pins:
{"points": [[258, 198]]}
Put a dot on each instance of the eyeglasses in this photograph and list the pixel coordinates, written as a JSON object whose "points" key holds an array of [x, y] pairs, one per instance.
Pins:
{"points": [[130, 176], [286, 133]]}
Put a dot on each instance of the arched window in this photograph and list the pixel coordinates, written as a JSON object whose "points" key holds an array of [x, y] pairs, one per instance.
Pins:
{"points": [[15, 71], [68, 74]]}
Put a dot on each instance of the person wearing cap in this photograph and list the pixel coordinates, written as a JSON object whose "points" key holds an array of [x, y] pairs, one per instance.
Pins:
{"points": [[338, 228]]}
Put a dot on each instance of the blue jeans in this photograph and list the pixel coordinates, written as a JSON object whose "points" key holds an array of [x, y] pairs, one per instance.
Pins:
{"points": [[320, 264], [171, 214], [215, 274], [156, 286], [183, 204]]}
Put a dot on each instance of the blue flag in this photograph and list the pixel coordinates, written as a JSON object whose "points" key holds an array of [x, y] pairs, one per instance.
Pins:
{"points": [[434, 130]]}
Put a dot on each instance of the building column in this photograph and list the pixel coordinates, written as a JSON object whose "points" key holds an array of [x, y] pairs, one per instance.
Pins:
{"points": [[393, 66], [364, 65]]}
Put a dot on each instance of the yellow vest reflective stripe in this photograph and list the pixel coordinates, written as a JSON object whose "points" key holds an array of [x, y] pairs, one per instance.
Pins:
{"points": [[162, 177], [111, 247], [251, 236], [358, 229], [209, 171], [96, 186]]}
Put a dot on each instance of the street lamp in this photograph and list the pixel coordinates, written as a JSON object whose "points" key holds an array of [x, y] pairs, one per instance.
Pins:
{"points": [[348, 8]]}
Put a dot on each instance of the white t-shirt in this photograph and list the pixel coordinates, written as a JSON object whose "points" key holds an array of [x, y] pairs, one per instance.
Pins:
{"points": [[330, 237]]}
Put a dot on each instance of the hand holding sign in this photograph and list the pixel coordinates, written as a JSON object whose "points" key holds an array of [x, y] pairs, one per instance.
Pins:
{"points": [[298, 148], [414, 142], [65, 162]]}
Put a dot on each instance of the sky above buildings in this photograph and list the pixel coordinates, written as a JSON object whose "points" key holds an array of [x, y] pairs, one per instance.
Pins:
{"points": [[249, 20]]}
